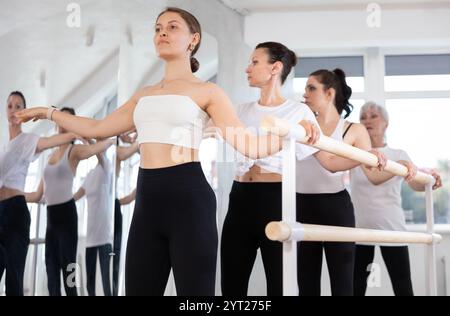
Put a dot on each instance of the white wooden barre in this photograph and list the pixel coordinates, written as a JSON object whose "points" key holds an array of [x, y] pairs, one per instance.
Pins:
{"points": [[281, 231], [285, 129]]}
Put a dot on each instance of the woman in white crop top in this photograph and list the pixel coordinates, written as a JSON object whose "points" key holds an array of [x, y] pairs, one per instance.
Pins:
{"points": [[61, 237], [378, 205], [15, 158], [174, 222], [321, 195], [255, 199]]}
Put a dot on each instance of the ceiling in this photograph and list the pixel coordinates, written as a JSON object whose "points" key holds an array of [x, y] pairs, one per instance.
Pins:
{"points": [[254, 6], [50, 62]]}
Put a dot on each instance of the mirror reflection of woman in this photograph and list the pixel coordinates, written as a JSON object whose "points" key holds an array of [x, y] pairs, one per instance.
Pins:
{"points": [[15, 158], [97, 187], [56, 188]]}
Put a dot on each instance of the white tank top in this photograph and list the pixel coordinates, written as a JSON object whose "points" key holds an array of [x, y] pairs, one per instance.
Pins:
{"points": [[312, 178], [15, 158], [58, 181], [170, 119], [100, 224]]}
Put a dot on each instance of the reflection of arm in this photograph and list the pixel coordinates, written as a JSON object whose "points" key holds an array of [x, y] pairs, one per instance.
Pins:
{"points": [[54, 141], [82, 152], [128, 199], [123, 153], [35, 197], [234, 132], [80, 193]]}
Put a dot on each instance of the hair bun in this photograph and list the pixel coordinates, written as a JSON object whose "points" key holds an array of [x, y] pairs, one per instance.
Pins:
{"points": [[294, 58], [195, 65]]}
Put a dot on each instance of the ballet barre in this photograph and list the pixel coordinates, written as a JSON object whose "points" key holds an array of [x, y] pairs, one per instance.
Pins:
{"points": [[280, 231], [283, 128], [290, 232]]}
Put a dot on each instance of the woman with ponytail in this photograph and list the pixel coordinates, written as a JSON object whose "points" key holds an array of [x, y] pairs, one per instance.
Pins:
{"points": [[321, 195], [255, 199]]}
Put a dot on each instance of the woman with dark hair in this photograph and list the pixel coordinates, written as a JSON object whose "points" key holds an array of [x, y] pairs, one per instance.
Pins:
{"points": [[322, 198], [255, 199], [15, 158], [61, 238], [174, 222]]}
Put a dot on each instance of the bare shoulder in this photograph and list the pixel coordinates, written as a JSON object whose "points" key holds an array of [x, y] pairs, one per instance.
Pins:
{"points": [[356, 128], [213, 92]]}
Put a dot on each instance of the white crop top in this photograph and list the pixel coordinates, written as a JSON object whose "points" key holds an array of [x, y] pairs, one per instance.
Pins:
{"points": [[312, 178], [251, 115], [58, 181], [15, 158], [170, 119]]}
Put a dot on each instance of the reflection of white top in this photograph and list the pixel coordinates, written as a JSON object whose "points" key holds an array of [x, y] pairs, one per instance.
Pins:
{"points": [[251, 115], [170, 119], [312, 178], [15, 158], [379, 206], [58, 181], [100, 214]]}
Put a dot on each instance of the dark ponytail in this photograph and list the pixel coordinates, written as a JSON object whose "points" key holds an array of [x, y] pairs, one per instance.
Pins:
{"points": [[195, 65], [69, 110], [279, 52], [336, 79]]}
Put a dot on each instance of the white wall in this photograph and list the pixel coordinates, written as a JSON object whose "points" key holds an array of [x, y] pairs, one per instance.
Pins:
{"points": [[348, 29]]}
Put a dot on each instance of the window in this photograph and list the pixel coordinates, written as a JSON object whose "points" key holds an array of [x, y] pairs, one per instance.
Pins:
{"points": [[418, 101]]}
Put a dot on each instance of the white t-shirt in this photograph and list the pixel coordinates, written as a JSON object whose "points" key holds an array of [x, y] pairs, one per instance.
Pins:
{"points": [[100, 213], [15, 158], [379, 206], [251, 115]]}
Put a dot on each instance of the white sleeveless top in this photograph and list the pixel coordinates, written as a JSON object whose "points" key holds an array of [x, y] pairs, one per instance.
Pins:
{"points": [[58, 181], [312, 178], [98, 188], [15, 158], [170, 119], [251, 115]]}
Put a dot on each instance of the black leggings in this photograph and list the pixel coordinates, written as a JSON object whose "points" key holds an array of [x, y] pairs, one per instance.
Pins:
{"points": [[397, 263], [252, 206], [14, 241], [117, 246], [61, 241], [104, 254], [174, 226], [331, 210]]}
